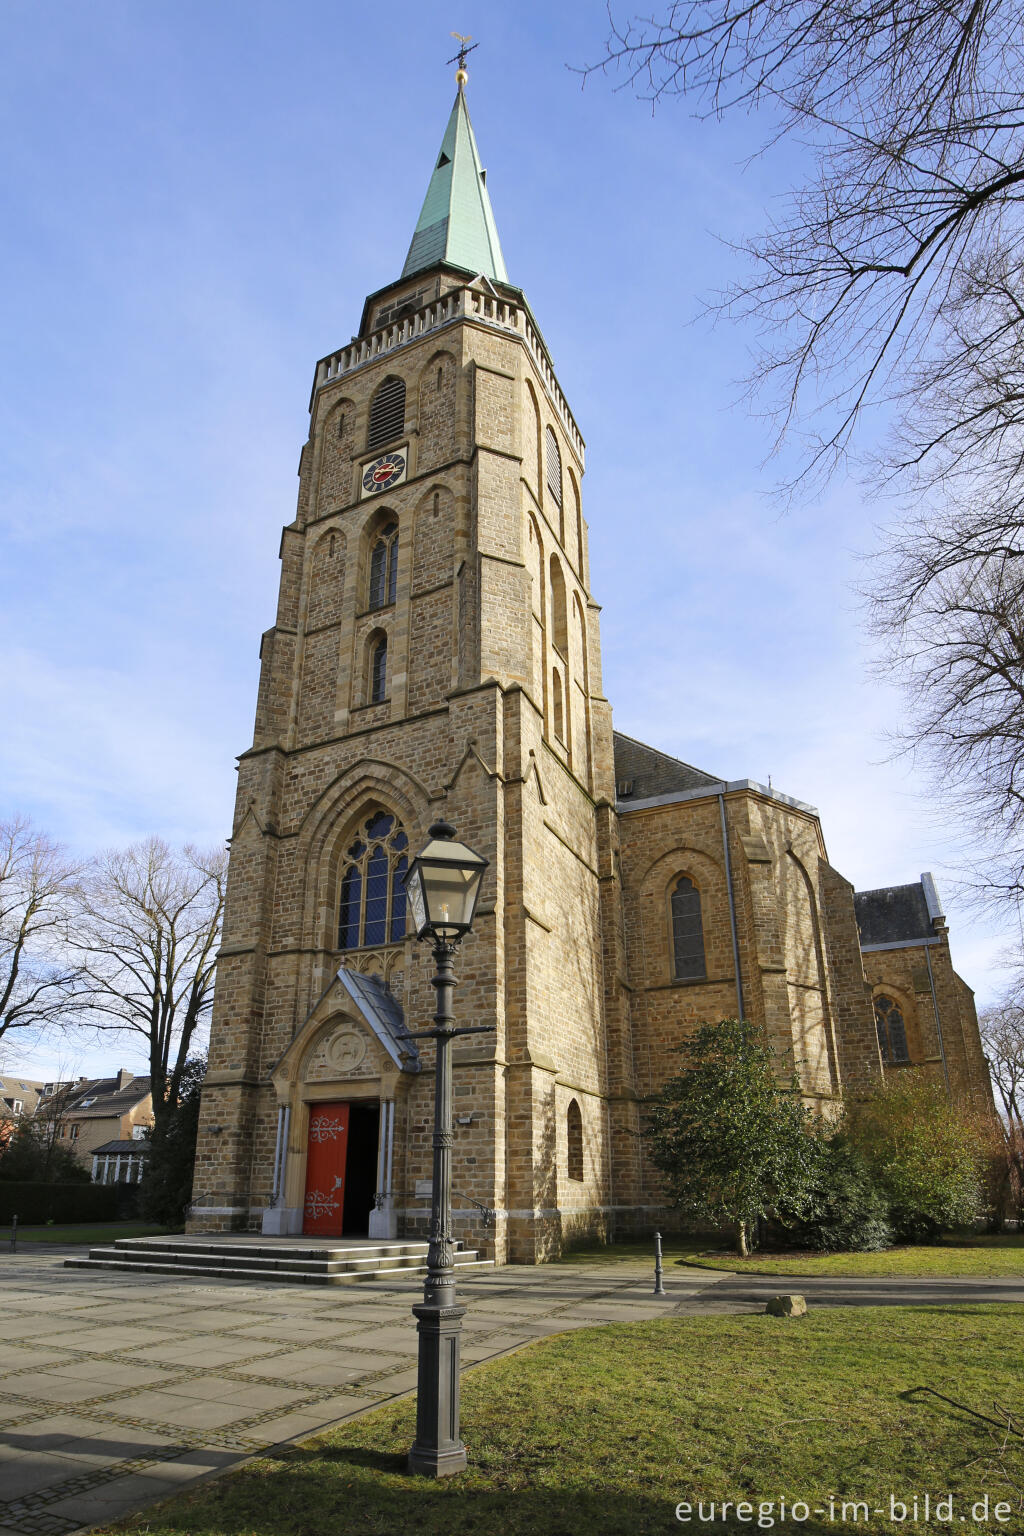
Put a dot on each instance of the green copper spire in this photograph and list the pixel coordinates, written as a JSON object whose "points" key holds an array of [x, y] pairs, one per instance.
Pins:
{"points": [[456, 223]]}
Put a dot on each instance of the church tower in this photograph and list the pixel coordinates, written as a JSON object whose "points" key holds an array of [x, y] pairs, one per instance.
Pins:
{"points": [[435, 652]]}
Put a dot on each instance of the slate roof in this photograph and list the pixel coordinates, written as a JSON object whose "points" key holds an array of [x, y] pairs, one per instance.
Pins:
{"points": [[383, 1012], [110, 1100], [893, 914], [120, 1149], [655, 773], [456, 223]]}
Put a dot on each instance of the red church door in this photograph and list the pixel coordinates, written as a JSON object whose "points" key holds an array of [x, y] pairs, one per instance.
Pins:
{"points": [[325, 1170]]}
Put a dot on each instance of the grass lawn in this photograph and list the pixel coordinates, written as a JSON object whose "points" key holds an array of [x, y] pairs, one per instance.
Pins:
{"points": [[79, 1232], [980, 1256], [605, 1430]]}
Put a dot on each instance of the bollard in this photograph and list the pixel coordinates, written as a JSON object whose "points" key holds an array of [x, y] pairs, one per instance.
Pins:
{"points": [[659, 1286], [14, 1234]]}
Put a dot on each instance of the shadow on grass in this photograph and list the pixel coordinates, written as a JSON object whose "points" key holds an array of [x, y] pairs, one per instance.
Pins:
{"points": [[319, 1490]]}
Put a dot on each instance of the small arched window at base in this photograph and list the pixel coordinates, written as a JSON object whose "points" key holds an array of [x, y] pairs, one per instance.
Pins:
{"points": [[574, 1141], [892, 1030], [687, 932]]}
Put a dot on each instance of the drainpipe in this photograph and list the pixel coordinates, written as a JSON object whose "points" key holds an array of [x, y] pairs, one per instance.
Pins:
{"points": [[732, 906], [938, 1021]]}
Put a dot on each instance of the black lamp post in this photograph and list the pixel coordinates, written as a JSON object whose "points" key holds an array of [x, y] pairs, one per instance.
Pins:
{"points": [[442, 884]]}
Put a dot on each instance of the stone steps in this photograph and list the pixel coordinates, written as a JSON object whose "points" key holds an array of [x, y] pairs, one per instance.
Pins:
{"points": [[298, 1264]]}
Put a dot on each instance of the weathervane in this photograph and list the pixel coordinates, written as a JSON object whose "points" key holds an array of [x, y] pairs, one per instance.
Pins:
{"points": [[460, 58]]}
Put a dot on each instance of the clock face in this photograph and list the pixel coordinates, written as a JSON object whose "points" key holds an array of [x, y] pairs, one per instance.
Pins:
{"points": [[383, 473]]}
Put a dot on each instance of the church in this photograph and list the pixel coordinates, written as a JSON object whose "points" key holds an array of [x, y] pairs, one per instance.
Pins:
{"points": [[436, 652]]}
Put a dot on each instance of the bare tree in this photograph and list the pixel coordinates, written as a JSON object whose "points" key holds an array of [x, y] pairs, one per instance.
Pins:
{"points": [[38, 980], [894, 278], [914, 114], [147, 929], [1002, 1036]]}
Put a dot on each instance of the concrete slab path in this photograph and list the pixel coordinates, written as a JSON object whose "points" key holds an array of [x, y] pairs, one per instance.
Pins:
{"points": [[117, 1390]]}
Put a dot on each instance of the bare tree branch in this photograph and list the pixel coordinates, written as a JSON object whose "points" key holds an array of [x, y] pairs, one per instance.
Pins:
{"points": [[893, 281], [39, 980], [913, 111]]}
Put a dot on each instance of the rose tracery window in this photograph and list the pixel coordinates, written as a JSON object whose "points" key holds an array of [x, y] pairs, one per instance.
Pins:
{"points": [[892, 1031], [372, 905]]}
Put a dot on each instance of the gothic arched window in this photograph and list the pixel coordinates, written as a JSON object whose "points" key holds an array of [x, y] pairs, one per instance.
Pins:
{"points": [[559, 625], [687, 931], [574, 1140], [557, 708], [384, 567], [378, 670], [892, 1031], [387, 412], [372, 905]]}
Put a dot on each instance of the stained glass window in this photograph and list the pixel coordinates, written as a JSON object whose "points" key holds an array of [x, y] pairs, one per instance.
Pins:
{"points": [[687, 931], [371, 908], [379, 672], [384, 567], [892, 1031], [351, 906]]}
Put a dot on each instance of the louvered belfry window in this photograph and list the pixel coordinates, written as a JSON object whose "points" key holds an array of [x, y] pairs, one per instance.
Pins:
{"points": [[387, 412], [687, 931], [553, 459], [372, 905]]}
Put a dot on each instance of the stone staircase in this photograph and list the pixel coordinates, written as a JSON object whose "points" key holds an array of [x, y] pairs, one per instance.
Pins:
{"points": [[281, 1260]]}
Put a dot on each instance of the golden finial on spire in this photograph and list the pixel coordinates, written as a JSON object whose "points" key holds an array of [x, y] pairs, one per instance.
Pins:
{"points": [[461, 75]]}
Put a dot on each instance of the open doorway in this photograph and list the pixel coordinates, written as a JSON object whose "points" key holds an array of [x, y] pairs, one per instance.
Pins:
{"points": [[361, 1173]]}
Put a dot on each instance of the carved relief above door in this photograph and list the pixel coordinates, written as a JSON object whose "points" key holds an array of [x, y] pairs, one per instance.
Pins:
{"points": [[344, 1052]]}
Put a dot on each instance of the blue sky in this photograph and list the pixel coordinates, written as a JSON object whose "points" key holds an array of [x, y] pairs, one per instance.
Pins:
{"points": [[195, 200]]}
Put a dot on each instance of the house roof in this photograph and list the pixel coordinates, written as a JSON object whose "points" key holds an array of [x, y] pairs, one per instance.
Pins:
{"points": [[896, 914], [120, 1149], [108, 1097], [456, 223], [29, 1091], [651, 772]]}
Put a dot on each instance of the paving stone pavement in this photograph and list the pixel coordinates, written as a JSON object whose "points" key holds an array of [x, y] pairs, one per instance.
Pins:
{"points": [[115, 1391]]}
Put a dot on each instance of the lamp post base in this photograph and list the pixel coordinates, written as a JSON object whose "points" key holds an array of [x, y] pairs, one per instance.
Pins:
{"points": [[438, 1450], [437, 1463]]}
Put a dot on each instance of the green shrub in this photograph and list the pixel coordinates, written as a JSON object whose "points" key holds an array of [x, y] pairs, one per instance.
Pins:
{"points": [[166, 1188], [34, 1155], [924, 1153], [734, 1144], [844, 1207], [36, 1203]]}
